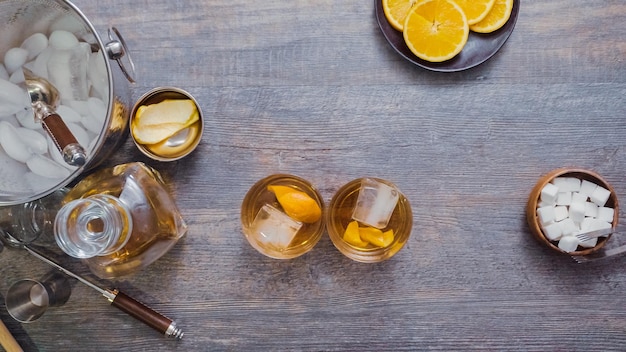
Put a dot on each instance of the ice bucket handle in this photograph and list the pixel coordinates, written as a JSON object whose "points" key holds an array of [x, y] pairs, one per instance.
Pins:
{"points": [[116, 50]]}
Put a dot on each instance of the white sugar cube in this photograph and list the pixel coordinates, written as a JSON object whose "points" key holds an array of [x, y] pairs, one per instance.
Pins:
{"points": [[587, 187], [567, 184], [600, 195], [375, 203], [606, 214], [591, 209], [586, 224], [542, 204], [564, 198], [273, 227], [577, 212], [560, 213], [591, 224], [589, 243], [546, 214], [568, 227], [568, 243], [579, 197], [552, 231], [549, 193]]}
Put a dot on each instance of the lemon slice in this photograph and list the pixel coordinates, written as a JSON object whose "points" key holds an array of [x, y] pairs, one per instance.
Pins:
{"points": [[376, 236], [352, 235], [297, 204], [157, 122], [169, 110]]}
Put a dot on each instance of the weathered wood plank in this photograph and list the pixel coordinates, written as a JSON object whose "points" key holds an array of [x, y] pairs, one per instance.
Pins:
{"points": [[312, 88]]}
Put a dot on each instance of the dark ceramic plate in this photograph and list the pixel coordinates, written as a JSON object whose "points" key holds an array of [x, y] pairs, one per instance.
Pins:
{"points": [[479, 47]]}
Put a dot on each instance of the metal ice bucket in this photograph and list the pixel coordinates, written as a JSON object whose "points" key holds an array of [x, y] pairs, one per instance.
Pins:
{"points": [[19, 20]]}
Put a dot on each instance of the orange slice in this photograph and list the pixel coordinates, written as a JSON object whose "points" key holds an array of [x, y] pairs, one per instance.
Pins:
{"points": [[436, 30], [396, 11], [496, 18], [475, 10]]}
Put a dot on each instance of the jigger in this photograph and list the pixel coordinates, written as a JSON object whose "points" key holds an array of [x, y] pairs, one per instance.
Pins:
{"points": [[45, 98], [27, 300]]}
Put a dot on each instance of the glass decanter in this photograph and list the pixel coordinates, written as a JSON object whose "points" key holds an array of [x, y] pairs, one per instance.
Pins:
{"points": [[119, 220]]}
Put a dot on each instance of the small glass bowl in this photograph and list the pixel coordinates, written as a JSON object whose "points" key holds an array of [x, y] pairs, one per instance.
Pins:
{"points": [[179, 145], [259, 196], [339, 215], [534, 199]]}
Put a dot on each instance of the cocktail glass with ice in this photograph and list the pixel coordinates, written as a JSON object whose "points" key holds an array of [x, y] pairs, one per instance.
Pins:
{"points": [[369, 220], [278, 231]]}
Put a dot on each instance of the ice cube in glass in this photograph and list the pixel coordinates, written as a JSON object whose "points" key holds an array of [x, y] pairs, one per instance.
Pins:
{"points": [[273, 227], [375, 203]]}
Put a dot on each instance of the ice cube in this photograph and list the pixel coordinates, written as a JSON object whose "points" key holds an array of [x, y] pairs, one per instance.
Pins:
{"points": [[12, 143], [375, 203], [92, 124], [97, 74], [68, 23], [13, 99], [97, 108], [14, 58], [56, 155], [17, 77], [40, 183], [12, 174], [273, 227], [62, 40], [79, 133], [46, 167], [40, 66], [68, 114], [33, 140], [35, 44], [81, 107], [67, 71], [4, 74], [26, 118]]}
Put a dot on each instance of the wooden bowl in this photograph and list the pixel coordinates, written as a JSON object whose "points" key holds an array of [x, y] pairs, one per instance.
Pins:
{"points": [[535, 194]]}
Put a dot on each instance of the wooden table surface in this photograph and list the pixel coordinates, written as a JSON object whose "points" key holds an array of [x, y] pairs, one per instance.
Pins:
{"points": [[312, 88]]}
